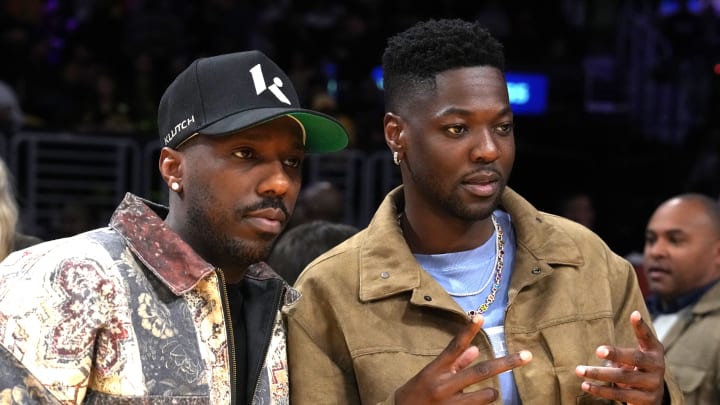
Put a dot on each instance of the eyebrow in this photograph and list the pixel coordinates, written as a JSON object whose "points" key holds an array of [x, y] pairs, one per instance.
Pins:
{"points": [[668, 232], [461, 111]]}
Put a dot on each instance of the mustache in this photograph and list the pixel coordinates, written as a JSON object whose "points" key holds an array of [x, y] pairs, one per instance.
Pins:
{"points": [[486, 167], [269, 203]]}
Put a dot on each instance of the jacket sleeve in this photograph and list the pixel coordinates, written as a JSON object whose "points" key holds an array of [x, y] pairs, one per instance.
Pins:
{"points": [[51, 311]]}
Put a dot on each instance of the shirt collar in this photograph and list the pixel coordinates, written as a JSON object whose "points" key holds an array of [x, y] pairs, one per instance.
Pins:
{"points": [[656, 305]]}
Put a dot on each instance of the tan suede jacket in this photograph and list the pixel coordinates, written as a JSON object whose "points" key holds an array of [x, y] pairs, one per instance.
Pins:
{"points": [[692, 349], [370, 317]]}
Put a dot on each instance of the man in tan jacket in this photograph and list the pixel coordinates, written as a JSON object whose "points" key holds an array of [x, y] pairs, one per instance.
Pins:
{"points": [[453, 250]]}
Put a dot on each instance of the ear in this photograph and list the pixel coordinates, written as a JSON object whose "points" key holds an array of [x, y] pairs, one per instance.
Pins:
{"points": [[393, 126], [170, 164], [716, 250]]}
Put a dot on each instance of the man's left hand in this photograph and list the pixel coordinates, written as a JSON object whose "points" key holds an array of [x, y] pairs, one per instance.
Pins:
{"points": [[635, 376]]}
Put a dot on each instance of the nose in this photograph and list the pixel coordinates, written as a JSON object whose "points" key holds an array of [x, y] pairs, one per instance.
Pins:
{"points": [[275, 181], [486, 149], [655, 248]]}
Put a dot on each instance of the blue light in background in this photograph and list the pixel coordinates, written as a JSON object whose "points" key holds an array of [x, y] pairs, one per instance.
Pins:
{"points": [[330, 70], [668, 7], [527, 91], [377, 76]]}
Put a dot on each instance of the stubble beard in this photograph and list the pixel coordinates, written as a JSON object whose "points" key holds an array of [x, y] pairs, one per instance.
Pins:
{"points": [[451, 202], [217, 247]]}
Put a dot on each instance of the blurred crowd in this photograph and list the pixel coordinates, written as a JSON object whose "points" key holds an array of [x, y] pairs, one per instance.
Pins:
{"points": [[99, 65]]}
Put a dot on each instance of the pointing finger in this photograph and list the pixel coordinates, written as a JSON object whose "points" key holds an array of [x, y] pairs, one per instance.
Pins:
{"points": [[645, 337]]}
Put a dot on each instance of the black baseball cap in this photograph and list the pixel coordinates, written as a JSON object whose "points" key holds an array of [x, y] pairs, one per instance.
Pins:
{"points": [[224, 94]]}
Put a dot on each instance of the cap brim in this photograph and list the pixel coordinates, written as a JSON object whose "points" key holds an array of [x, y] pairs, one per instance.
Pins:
{"points": [[323, 132]]}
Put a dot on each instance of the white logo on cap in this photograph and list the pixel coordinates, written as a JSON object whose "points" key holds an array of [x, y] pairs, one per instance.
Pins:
{"points": [[261, 86], [179, 127]]}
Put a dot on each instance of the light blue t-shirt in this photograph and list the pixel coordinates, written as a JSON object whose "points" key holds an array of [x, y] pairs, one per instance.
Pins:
{"points": [[473, 270]]}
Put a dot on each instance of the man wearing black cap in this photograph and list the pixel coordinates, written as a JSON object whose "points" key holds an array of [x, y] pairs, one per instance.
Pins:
{"points": [[174, 305]]}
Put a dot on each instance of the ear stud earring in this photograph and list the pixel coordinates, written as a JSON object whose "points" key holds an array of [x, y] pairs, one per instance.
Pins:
{"points": [[396, 159], [175, 186]]}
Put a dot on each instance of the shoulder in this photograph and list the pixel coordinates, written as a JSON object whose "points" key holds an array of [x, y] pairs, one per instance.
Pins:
{"points": [[557, 240], [569, 227], [344, 256], [537, 227], [61, 276], [587, 241], [97, 249]]}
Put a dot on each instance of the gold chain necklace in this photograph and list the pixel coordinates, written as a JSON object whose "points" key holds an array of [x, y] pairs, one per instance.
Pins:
{"points": [[491, 273], [499, 254]]}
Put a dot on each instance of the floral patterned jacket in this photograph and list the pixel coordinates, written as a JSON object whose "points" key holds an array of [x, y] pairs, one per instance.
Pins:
{"points": [[131, 314]]}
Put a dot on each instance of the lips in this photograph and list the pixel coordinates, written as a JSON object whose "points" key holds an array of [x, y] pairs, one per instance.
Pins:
{"points": [[656, 269], [655, 272], [482, 177], [482, 184], [268, 220]]}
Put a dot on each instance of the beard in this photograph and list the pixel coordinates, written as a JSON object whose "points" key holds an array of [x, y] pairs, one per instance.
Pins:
{"points": [[217, 247], [434, 189], [214, 244]]}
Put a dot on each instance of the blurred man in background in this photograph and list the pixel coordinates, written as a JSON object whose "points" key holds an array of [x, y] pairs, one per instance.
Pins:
{"points": [[682, 263]]}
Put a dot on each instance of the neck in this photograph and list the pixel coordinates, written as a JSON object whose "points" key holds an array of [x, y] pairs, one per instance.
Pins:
{"points": [[233, 269], [431, 235]]}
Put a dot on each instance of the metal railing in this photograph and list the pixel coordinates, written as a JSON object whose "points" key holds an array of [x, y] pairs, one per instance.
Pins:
{"points": [[63, 180], [62, 174]]}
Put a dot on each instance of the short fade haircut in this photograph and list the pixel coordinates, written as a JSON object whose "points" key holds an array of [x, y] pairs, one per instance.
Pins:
{"points": [[415, 56]]}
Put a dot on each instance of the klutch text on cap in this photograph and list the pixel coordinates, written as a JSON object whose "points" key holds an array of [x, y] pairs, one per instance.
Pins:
{"points": [[179, 127]]}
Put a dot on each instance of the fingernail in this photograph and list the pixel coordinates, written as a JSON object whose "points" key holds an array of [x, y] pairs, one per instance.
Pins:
{"points": [[580, 369], [525, 355], [476, 319], [603, 351]]}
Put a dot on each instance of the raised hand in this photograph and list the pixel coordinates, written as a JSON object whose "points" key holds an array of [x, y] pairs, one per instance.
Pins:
{"points": [[635, 375], [444, 379]]}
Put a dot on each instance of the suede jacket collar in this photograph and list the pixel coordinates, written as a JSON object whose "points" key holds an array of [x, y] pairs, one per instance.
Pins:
{"points": [[384, 247]]}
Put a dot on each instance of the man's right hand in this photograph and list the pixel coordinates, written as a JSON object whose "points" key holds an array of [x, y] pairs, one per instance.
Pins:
{"points": [[444, 379]]}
